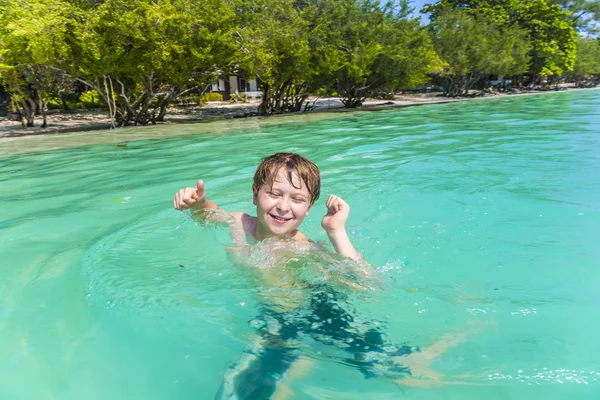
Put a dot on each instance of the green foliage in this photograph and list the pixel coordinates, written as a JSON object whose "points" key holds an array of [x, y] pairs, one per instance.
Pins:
{"points": [[91, 97], [34, 37], [139, 56], [549, 29], [238, 98], [212, 96], [365, 46], [552, 36], [473, 45], [584, 14], [144, 53], [54, 104], [587, 62], [273, 40], [36, 32], [356, 46]]}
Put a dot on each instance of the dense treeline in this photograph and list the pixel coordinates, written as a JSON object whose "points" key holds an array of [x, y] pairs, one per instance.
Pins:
{"points": [[139, 56]]}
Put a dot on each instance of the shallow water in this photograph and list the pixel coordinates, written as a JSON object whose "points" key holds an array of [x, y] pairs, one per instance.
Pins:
{"points": [[481, 218]]}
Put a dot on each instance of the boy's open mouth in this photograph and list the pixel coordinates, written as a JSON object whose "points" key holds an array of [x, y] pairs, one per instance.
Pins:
{"points": [[279, 220]]}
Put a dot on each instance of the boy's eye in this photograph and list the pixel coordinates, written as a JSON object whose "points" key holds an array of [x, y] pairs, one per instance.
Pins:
{"points": [[273, 194]]}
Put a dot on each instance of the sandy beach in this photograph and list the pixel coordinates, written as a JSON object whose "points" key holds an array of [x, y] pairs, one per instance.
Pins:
{"points": [[94, 120]]}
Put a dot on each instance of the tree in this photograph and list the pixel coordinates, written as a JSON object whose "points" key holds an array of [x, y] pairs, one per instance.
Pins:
{"points": [[138, 55], [354, 46], [365, 46], [409, 56], [552, 37], [141, 54], [550, 30], [587, 63], [472, 46], [585, 14], [34, 35], [274, 46]]}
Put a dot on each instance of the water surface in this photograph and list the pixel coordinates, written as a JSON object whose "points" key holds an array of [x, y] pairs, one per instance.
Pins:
{"points": [[481, 217]]}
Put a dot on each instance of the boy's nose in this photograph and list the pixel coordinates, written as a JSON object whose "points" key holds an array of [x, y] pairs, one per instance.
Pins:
{"points": [[283, 204]]}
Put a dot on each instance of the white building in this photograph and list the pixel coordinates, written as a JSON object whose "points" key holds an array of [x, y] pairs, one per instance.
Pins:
{"points": [[236, 84]]}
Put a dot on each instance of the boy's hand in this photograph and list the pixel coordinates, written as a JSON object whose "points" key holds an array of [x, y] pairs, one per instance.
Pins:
{"points": [[190, 197], [337, 214]]}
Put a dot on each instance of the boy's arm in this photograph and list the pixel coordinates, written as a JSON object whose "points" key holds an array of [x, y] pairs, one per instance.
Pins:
{"points": [[334, 223], [193, 199], [202, 209], [343, 246]]}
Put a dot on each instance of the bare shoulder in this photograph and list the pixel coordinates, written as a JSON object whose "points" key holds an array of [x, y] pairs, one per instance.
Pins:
{"points": [[244, 220], [237, 215], [301, 237], [242, 227]]}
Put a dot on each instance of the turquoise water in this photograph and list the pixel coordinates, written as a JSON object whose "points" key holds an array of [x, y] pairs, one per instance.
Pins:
{"points": [[481, 218]]}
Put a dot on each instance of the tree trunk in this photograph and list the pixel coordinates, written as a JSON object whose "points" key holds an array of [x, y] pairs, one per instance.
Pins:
{"points": [[42, 109], [350, 98], [172, 96], [27, 108], [287, 97], [265, 107], [162, 111]]}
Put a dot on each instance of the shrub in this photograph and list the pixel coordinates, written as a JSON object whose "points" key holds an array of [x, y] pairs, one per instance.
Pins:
{"points": [[238, 97], [54, 104], [90, 99], [91, 96], [211, 96]]}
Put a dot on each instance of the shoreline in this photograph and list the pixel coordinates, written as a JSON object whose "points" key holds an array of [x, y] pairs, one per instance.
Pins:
{"points": [[83, 121]]}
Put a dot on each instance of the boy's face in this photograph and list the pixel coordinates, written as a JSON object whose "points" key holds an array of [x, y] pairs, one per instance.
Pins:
{"points": [[281, 209]]}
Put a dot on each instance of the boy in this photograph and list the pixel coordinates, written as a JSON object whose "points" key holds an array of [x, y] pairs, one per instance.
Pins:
{"points": [[285, 187]]}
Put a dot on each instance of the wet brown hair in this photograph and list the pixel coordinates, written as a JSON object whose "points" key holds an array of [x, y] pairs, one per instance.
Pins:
{"points": [[292, 163]]}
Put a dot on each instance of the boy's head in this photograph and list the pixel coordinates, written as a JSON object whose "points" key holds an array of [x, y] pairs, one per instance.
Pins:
{"points": [[292, 164], [285, 187]]}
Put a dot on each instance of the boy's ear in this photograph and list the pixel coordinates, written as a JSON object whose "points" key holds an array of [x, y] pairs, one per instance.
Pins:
{"points": [[254, 194]]}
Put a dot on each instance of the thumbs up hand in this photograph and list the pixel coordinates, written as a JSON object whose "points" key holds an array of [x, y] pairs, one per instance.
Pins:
{"points": [[191, 197]]}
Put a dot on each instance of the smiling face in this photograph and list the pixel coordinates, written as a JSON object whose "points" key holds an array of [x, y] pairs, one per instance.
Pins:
{"points": [[281, 208]]}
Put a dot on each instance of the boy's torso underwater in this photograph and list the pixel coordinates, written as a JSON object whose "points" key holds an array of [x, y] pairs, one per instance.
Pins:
{"points": [[304, 298]]}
